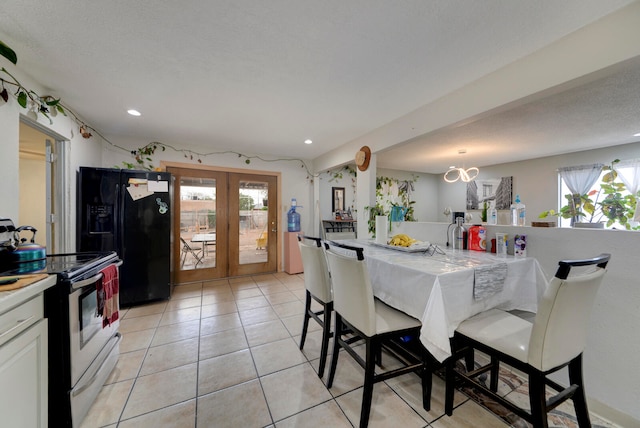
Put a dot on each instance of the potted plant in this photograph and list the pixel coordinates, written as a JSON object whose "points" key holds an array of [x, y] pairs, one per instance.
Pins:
{"points": [[374, 211], [608, 203]]}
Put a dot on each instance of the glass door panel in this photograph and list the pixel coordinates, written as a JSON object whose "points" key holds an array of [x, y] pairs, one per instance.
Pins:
{"points": [[197, 222], [201, 208], [252, 228]]}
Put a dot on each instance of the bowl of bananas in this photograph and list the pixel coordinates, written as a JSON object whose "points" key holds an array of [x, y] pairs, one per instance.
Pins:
{"points": [[404, 242]]}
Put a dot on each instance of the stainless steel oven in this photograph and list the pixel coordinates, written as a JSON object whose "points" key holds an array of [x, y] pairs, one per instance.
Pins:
{"points": [[82, 349]]}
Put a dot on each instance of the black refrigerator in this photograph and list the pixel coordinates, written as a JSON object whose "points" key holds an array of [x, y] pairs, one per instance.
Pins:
{"points": [[129, 212]]}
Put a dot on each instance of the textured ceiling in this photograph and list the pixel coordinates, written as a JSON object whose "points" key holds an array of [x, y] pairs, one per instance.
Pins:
{"points": [[262, 76]]}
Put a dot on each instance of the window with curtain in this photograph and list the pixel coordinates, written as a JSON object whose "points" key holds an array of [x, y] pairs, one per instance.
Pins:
{"points": [[618, 194]]}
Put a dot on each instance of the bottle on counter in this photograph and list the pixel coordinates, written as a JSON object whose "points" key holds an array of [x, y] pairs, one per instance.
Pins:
{"points": [[518, 213], [492, 215], [458, 235]]}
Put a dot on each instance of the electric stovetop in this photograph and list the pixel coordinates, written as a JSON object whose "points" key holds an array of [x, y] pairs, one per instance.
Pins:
{"points": [[66, 266]]}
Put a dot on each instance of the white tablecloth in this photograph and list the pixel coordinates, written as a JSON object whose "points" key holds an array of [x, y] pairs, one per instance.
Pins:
{"points": [[438, 289]]}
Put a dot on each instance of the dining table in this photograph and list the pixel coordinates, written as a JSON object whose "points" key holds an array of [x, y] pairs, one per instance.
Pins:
{"points": [[442, 287], [206, 239]]}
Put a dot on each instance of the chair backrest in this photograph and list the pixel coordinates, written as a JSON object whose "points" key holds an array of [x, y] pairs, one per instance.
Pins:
{"points": [[329, 236], [352, 292], [316, 272], [560, 327]]}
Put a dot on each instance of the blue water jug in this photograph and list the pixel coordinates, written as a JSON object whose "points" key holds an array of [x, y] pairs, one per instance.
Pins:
{"points": [[293, 218]]}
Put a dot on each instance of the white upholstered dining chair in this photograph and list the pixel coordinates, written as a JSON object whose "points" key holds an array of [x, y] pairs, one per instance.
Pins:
{"points": [[361, 317], [318, 287], [555, 339]]}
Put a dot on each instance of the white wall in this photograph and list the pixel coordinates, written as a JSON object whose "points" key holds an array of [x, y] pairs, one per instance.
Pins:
{"points": [[33, 183], [9, 163]]}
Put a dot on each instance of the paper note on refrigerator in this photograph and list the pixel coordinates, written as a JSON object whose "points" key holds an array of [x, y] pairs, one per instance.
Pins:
{"points": [[138, 191], [158, 186]]}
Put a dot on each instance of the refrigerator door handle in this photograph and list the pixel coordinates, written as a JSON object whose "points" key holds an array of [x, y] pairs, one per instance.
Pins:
{"points": [[116, 225], [123, 190]]}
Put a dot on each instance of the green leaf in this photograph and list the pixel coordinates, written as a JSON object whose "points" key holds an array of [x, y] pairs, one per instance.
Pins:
{"points": [[8, 53], [22, 99]]}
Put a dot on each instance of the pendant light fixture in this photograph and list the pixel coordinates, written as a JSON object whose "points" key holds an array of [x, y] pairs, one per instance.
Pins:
{"points": [[459, 173]]}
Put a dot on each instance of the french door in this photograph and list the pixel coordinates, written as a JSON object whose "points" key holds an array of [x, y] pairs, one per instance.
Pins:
{"points": [[225, 224]]}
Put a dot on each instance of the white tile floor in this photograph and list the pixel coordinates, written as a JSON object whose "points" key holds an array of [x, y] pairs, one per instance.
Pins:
{"points": [[225, 353]]}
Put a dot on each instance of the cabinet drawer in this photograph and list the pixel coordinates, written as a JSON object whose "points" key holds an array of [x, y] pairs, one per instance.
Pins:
{"points": [[18, 319]]}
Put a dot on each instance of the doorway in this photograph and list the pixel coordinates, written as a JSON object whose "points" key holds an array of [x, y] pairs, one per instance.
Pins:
{"points": [[42, 185], [225, 223]]}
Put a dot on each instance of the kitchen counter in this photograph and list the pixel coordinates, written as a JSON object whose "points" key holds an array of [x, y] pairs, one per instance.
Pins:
{"points": [[13, 298]]}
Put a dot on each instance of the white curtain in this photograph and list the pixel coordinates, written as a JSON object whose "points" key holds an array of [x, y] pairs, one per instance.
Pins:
{"points": [[580, 179], [629, 173]]}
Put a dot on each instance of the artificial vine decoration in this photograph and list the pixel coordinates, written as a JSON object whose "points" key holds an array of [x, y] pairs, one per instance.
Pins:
{"points": [[338, 174], [142, 156]]}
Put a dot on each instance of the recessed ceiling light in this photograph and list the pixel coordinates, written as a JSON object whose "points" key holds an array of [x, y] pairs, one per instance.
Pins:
{"points": [[133, 112], [307, 141]]}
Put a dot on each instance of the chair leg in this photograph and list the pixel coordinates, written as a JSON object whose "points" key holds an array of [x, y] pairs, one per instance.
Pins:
{"points": [[495, 371], [369, 373], [450, 383], [427, 382], [326, 333], [538, 400], [305, 322], [579, 400], [337, 335], [469, 359]]}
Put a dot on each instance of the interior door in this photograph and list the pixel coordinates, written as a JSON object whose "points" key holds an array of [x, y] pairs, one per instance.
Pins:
{"points": [[252, 224], [225, 224]]}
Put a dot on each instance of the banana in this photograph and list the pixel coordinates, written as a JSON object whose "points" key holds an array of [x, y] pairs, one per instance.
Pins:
{"points": [[402, 240]]}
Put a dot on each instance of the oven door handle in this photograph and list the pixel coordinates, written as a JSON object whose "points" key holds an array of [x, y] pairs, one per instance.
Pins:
{"points": [[81, 284], [93, 378]]}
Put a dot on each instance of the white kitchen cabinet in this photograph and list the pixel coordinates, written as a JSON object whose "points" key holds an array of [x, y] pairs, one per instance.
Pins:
{"points": [[23, 378], [23, 357]]}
